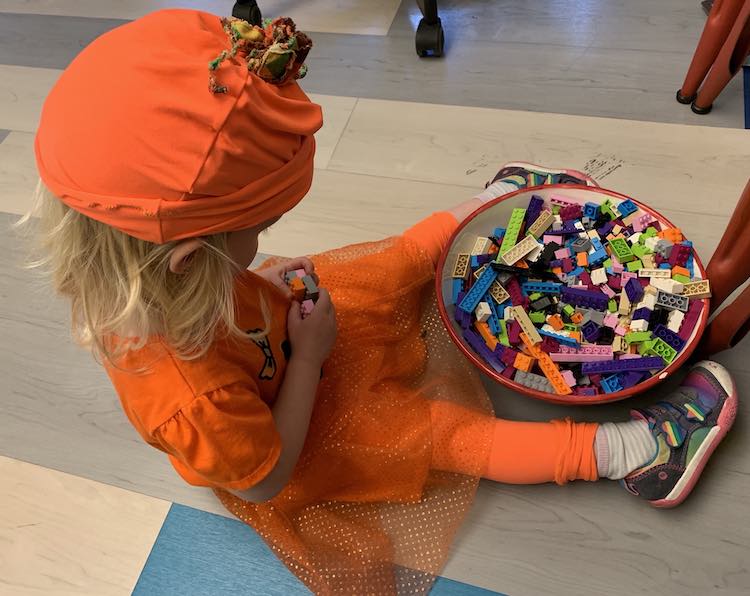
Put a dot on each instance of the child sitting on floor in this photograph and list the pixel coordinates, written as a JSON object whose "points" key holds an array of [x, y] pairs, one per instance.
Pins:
{"points": [[352, 440]]}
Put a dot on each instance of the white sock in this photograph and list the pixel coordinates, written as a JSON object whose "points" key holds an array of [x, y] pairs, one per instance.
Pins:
{"points": [[622, 447], [496, 189]]}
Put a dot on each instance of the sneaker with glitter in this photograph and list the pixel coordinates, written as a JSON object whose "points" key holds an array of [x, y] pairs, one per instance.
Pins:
{"points": [[687, 425], [522, 174]]}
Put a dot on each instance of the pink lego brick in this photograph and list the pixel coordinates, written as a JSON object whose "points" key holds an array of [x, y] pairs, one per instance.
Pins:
{"points": [[629, 356], [620, 330], [568, 377], [306, 308], [611, 319], [562, 201], [616, 265], [553, 238], [562, 253], [582, 354], [299, 272], [607, 290], [625, 276]]}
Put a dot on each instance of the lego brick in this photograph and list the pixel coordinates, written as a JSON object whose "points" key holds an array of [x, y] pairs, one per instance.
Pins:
{"points": [[582, 354], [541, 224], [513, 229], [697, 289], [637, 337], [479, 260], [523, 362], [634, 290], [561, 201], [585, 298], [671, 301], [311, 288], [661, 348], [642, 313], [502, 334], [478, 273], [627, 207], [548, 367], [480, 287], [518, 251], [544, 287], [533, 381], [560, 337], [639, 325], [484, 330], [306, 307], [623, 365], [498, 292], [668, 285], [691, 319], [621, 249], [599, 276], [669, 337], [476, 342], [674, 321], [520, 317], [456, 288], [624, 304], [482, 312], [590, 331], [481, 245], [619, 345], [298, 288], [611, 384]]}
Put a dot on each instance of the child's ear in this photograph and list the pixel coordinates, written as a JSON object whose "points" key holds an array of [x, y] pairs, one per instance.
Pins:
{"points": [[182, 253]]}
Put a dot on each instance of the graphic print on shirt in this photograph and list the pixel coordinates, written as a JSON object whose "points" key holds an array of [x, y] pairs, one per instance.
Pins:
{"points": [[269, 366]]}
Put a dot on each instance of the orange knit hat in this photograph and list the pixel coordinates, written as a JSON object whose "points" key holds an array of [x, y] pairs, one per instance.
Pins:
{"points": [[133, 135]]}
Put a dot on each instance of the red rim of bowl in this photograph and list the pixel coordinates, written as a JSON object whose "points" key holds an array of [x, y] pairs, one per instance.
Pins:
{"points": [[552, 397]]}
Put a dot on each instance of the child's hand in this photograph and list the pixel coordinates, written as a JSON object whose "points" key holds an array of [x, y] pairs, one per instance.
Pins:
{"points": [[276, 274], [312, 338]]}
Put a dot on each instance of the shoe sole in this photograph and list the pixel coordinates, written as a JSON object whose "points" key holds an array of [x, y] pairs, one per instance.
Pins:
{"points": [[723, 424], [531, 166]]}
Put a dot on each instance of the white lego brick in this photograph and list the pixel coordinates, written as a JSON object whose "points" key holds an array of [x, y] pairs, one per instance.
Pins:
{"points": [[599, 276], [639, 325], [674, 321], [667, 285], [483, 312]]}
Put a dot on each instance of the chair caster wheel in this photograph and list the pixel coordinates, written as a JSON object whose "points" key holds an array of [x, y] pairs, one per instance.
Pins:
{"points": [[699, 110], [684, 98], [429, 39]]}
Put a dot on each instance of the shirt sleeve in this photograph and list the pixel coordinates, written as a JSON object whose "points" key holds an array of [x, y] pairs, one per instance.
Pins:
{"points": [[433, 233], [225, 438]]}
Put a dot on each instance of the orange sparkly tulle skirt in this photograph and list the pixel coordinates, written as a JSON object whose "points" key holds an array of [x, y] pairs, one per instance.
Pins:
{"points": [[365, 512]]}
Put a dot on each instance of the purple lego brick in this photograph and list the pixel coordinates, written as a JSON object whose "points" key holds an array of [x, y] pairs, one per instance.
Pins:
{"points": [[571, 212], [549, 345], [477, 343], [536, 203], [590, 331], [670, 337], [691, 319], [514, 290], [616, 366], [642, 313], [514, 332], [567, 265], [632, 377], [568, 227], [588, 391], [634, 290], [509, 356], [508, 372], [585, 279], [480, 260], [614, 282], [679, 255], [585, 298], [605, 229]]}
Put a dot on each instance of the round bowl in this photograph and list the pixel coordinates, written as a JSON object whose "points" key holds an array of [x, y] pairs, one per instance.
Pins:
{"points": [[496, 213]]}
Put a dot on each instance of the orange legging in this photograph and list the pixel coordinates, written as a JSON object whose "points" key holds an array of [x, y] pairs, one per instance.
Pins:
{"points": [[521, 452]]}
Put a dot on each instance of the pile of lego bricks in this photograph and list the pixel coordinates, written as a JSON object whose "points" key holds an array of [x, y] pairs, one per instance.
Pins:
{"points": [[596, 297], [304, 290]]}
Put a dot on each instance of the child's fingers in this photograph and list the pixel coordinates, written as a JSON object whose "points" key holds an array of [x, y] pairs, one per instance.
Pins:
{"points": [[294, 315]]}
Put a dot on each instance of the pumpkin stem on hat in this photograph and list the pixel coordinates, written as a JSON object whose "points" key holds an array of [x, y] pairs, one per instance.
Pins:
{"points": [[275, 53]]}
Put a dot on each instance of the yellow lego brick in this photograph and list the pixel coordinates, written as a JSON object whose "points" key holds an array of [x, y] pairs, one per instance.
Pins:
{"points": [[498, 292], [519, 251], [697, 289], [520, 316], [542, 223], [461, 268]]}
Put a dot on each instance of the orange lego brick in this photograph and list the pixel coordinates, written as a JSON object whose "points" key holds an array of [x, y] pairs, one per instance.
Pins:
{"points": [[556, 322], [582, 259], [548, 367], [298, 288], [484, 331], [677, 270], [524, 362], [577, 318], [671, 234]]}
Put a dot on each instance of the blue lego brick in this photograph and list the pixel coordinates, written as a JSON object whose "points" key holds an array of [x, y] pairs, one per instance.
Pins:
{"points": [[626, 208], [690, 266], [643, 364], [576, 272], [480, 287], [559, 337], [591, 210], [598, 256], [458, 286], [529, 287], [493, 325], [597, 244], [498, 233], [611, 384], [665, 266]]}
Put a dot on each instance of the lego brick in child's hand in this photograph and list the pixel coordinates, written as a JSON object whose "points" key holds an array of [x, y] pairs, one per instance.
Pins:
{"points": [[281, 275]]}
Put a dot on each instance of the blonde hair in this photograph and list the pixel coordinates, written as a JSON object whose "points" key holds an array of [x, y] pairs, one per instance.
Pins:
{"points": [[120, 286]]}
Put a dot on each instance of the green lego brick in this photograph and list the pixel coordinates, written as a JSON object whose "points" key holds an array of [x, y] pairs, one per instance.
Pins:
{"points": [[646, 235], [612, 306], [502, 337], [568, 327], [645, 347], [535, 296], [512, 230], [607, 264], [661, 348], [537, 317], [621, 250], [639, 250], [637, 336], [634, 265], [569, 310], [606, 208], [684, 279]]}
